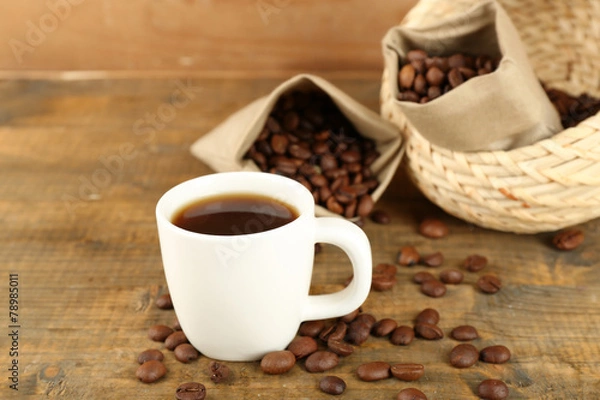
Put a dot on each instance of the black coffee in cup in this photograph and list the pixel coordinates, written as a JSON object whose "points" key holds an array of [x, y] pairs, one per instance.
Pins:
{"points": [[234, 214]]}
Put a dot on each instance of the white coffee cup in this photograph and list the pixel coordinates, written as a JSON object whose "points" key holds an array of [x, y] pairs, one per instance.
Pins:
{"points": [[239, 297]]}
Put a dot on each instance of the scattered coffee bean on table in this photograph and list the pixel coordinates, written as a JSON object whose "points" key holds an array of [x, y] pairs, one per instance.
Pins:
{"points": [[464, 333], [407, 372], [402, 335], [497, 354], [433, 228], [159, 333], [475, 263], [407, 256], [489, 284], [380, 217], [332, 385], [492, 389], [190, 391], [278, 362], [151, 371], [186, 353], [384, 327], [422, 276], [219, 372], [411, 394], [307, 138], [383, 277], [350, 316], [569, 239], [373, 371], [150, 354], [303, 346], [311, 328], [429, 316], [175, 339], [451, 276], [321, 361], [433, 260], [164, 302], [464, 356], [433, 288], [340, 347], [429, 331]]}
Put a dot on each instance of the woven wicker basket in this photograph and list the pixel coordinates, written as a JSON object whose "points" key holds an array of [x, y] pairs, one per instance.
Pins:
{"points": [[546, 186]]}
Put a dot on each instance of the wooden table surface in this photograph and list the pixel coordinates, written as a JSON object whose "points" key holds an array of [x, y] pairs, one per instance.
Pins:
{"points": [[79, 183]]}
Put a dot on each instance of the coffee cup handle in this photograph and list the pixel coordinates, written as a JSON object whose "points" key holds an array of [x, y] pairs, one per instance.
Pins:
{"points": [[353, 241]]}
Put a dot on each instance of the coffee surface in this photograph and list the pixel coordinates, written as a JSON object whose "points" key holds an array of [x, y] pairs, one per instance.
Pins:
{"points": [[234, 214]]}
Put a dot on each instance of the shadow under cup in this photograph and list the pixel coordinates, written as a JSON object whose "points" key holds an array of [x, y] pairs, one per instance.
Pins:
{"points": [[238, 297]]}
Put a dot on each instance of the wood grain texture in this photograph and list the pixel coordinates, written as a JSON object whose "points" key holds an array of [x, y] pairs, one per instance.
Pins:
{"points": [[90, 270], [193, 35]]}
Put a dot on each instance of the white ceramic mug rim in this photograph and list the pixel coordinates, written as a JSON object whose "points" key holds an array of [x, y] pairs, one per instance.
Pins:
{"points": [[304, 204]]}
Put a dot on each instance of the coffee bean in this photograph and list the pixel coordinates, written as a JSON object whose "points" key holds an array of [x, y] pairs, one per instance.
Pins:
{"points": [[358, 332], [164, 302], [489, 284], [433, 228], [150, 354], [402, 335], [433, 260], [185, 353], [334, 206], [475, 263], [219, 372], [433, 288], [175, 339], [416, 54], [407, 256], [159, 333], [380, 217], [384, 327], [321, 361], [277, 362], [464, 356], [464, 333], [451, 276], [492, 389], [190, 391], [411, 394], [365, 205], [367, 319], [279, 143], [340, 347], [373, 371], [433, 92], [303, 346], [429, 331], [406, 76], [568, 239], [332, 385], [175, 324], [428, 316], [422, 276], [407, 372], [495, 354], [383, 277], [311, 328], [420, 85], [151, 371], [455, 78], [435, 76], [339, 331], [350, 316]]}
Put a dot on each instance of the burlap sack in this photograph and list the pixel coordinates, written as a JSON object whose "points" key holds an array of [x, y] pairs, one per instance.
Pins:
{"points": [[502, 110], [224, 147]]}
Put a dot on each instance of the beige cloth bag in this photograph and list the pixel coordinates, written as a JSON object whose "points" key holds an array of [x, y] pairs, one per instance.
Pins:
{"points": [[224, 147], [502, 110]]}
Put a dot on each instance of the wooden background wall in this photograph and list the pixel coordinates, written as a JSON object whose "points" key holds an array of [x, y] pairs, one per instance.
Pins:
{"points": [[195, 36]]}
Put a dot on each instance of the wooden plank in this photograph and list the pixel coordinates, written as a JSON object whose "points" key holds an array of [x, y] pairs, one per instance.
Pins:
{"points": [[192, 35], [89, 273]]}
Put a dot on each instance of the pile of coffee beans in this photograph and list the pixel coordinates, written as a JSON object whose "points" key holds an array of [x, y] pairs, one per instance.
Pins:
{"points": [[573, 109], [423, 78], [307, 138]]}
